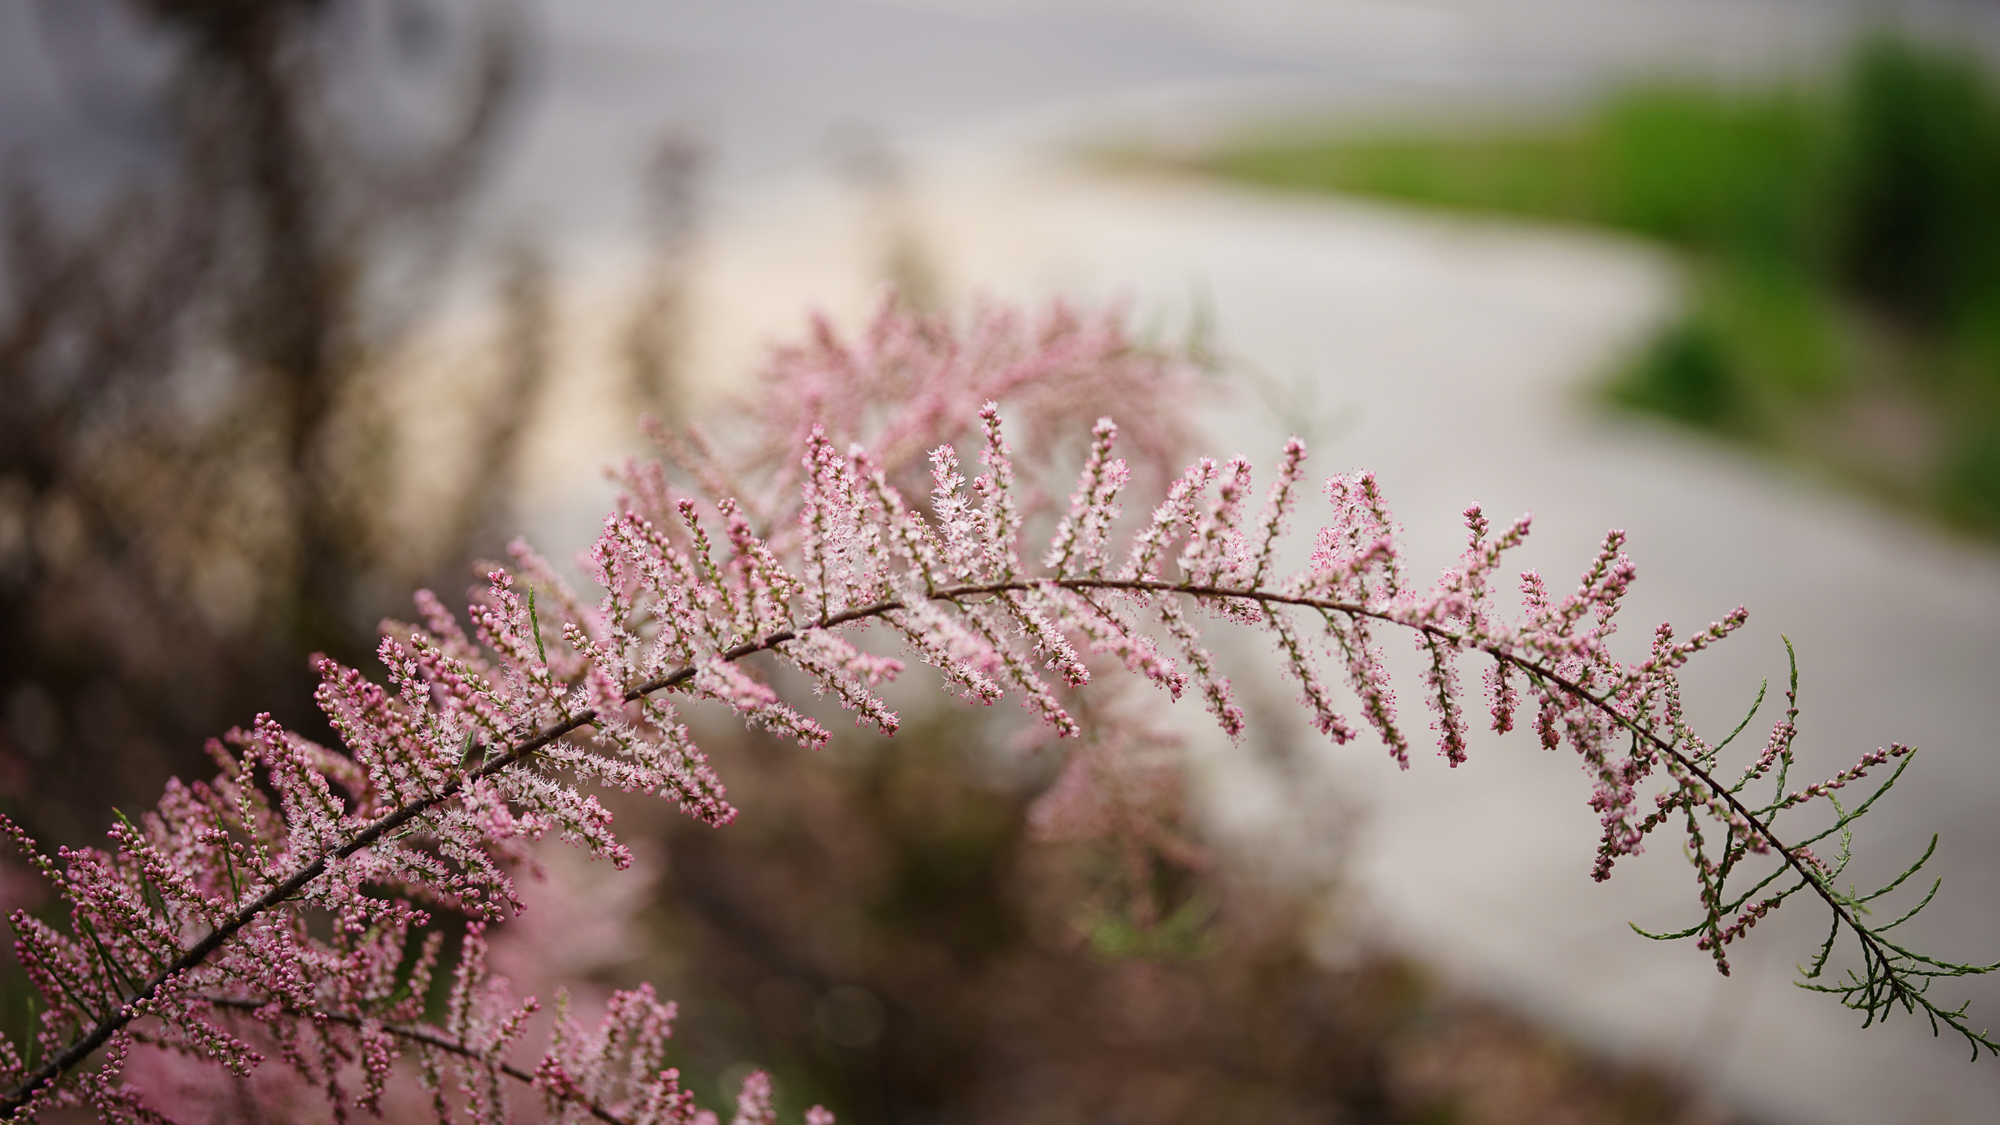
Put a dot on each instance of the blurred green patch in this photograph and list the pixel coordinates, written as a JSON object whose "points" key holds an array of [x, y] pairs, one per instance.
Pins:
{"points": [[1756, 348], [1184, 934], [1843, 239]]}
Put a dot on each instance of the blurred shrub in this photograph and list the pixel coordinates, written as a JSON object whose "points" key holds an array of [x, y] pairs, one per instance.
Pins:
{"points": [[1919, 227], [1845, 241], [879, 930], [193, 449]]}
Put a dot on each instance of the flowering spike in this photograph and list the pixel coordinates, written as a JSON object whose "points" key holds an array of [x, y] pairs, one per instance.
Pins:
{"points": [[839, 667], [1215, 548], [753, 1102], [1299, 665], [1079, 538], [1174, 513], [1001, 518], [1442, 680], [1214, 688], [1271, 525], [1370, 681], [957, 524], [1502, 696]]}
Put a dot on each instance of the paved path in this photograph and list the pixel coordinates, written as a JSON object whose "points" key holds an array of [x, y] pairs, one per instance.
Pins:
{"points": [[773, 84]]}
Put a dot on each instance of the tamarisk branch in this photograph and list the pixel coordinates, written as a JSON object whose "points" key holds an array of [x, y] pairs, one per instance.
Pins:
{"points": [[479, 743]]}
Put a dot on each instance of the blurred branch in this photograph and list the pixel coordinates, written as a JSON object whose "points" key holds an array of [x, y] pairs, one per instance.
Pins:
{"points": [[189, 436], [655, 334]]}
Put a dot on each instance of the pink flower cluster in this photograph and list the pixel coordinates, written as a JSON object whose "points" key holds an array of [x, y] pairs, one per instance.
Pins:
{"points": [[196, 930]]}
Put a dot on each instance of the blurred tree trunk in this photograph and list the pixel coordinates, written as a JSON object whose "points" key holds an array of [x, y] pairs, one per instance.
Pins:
{"points": [[185, 414]]}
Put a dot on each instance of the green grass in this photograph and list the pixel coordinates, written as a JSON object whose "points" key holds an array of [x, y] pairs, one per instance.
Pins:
{"points": [[1843, 238]]}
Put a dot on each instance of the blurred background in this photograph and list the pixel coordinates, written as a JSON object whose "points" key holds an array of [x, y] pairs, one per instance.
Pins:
{"points": [[304, 303]]}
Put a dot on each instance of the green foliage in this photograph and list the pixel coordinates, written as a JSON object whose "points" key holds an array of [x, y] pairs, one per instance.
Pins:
{"points": [[1919, 234], [1687, 374], [1842, 236], [1968, 488], [1550, 175], [1891, 976], [1745, 177], [1757, 344]]}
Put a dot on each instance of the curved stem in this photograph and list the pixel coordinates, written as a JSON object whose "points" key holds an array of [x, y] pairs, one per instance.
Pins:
{"points": [[84, 1046]]}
